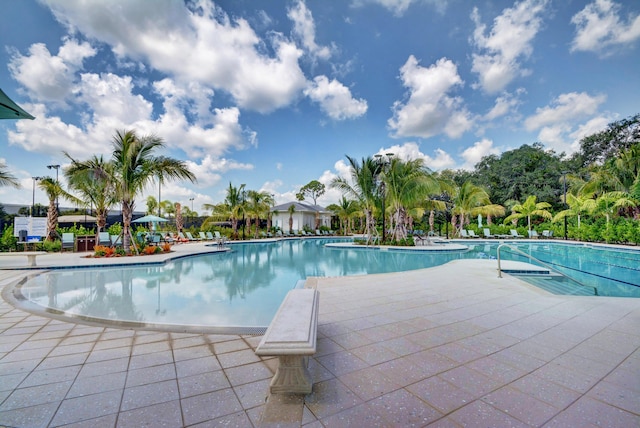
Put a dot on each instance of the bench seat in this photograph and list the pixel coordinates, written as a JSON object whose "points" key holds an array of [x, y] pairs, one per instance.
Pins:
{"points": [[291, 337], [31, 256]]}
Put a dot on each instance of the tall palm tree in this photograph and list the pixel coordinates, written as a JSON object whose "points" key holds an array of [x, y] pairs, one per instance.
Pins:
{"points": [[134, 166], [468, 200], [6, 178], [528, 209], [231, 209], [407, 184], [93, 181], [291, 210], [362, 187], [258, 206], [53, 190]]}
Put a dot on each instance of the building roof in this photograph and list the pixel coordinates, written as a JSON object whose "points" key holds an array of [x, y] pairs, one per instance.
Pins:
{"points": [[299, 207]]}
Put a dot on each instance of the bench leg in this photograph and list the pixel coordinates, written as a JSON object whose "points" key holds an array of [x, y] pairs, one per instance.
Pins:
{"points": [[31, 259], [292, 376]]}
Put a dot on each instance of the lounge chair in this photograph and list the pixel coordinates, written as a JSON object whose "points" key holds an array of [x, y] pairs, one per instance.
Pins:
{"points": [[221, 240], [104, 239], [191, 238], [547, 233], [533, 234], [472, 234], [487, 233], [203, 237], [210, 236], [68, 241], [515, 234], [116, 240]]}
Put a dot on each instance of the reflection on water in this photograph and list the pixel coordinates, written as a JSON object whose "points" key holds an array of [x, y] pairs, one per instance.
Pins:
{"points": [[245, 287]]}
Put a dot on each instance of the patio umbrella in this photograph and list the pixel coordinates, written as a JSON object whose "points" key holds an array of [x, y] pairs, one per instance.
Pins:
{"points": [[11, 110], [153, 219]]}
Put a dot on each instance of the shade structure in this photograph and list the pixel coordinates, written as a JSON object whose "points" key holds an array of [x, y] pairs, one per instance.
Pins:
{"points": [[76, 218], [150, 219], [11, 110]]}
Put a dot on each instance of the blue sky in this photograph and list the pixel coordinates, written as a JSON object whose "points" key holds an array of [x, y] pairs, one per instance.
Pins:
{"points": [[275, 94]]}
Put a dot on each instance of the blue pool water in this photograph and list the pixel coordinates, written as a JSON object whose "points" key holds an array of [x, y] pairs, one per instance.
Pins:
{"points": [[245, 287]]}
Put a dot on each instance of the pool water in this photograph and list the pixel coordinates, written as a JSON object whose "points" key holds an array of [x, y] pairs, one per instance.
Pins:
{"points": [[244, 287]]}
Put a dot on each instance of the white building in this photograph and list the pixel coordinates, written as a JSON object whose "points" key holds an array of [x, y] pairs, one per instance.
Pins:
{"points": [[304, 215]]}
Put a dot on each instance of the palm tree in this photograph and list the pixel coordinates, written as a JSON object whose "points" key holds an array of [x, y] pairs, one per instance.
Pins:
{"points": [[578, 205], [291, 210], [407, 184], [152, 205], [134, 166], [346, 209], [93, 181], [528, 209], [53, 190], [6, 178], [362, 187], [231, 209], [259, 204], [469, 200]]}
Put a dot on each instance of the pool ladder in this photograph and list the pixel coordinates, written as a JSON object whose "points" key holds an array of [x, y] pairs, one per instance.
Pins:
{"points": [[517, 250]]}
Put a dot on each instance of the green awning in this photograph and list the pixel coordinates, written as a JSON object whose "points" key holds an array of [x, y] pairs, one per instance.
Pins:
{"points": [[11, 110]]}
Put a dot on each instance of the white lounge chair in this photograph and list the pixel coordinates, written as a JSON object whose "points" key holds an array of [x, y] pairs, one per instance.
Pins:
{"points": [[487, 233], [472, 234], [533, 234], [547, 233], [515, 234], [464, 234], [68, 241]]}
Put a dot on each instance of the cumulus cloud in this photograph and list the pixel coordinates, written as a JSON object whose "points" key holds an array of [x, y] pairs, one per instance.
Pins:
{"points": [[50, 77], [335, 99], [399, 7], [558, 121], [304, 29], [599, 26], [430, 109], [472, 155], [505, 104], [199, 44], [411, 150], [506, 45]]}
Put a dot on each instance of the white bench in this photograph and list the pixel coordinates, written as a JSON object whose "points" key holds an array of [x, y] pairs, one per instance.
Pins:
{"points": [[31, 256], [291, 337]]}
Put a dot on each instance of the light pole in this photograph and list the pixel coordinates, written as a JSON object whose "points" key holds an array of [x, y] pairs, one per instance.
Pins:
{"points": [[243, 202], [564, 188], [33, 197], [384, 161], [191, 213], [56, 167]]}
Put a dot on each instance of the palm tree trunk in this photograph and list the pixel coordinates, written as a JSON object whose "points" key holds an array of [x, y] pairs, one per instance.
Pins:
{"points": [[52, 221]]}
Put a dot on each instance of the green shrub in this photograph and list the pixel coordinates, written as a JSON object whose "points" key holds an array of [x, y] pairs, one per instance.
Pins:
{"points": [[8, 242]]}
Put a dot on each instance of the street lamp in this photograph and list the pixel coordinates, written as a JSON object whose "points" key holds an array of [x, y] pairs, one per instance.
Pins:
{"points": [[33, 197], [191, 213], [383, 160], [564, 188], [56, 167]]}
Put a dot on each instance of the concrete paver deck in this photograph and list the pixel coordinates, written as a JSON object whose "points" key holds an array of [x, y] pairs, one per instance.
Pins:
{"points": [[448, 346]]}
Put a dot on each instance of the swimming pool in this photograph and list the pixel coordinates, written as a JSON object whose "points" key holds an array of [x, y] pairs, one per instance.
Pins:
{"points": [[243, 288]]}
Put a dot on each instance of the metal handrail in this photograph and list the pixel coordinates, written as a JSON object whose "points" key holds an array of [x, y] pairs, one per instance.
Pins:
{"points": [[517, 250]]}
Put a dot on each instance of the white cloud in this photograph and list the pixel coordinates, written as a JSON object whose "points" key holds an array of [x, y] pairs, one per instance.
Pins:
{"points": [[410, 151], [505, 104], [509, 41], [591, 127], [557, 122], [304, 29], [430, 109], [199, 45], [399, 7], [566, 107], [472, 155], [50, 77], [335, 99], [598, 27]]}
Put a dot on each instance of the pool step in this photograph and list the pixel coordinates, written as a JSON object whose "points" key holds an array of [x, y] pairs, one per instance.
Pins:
{"points": [[556, 284]]}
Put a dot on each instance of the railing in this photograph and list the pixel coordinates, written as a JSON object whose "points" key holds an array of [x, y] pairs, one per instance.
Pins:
{"points": [[516, 250]]}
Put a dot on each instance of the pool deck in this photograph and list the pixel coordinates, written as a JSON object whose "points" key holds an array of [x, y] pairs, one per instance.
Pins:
{"points": [[450, 346]]}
